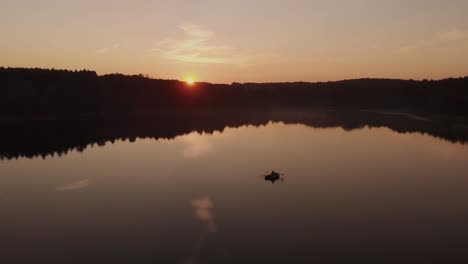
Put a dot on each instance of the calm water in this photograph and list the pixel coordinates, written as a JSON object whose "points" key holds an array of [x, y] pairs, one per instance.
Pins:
{"points": [[365, 194]]}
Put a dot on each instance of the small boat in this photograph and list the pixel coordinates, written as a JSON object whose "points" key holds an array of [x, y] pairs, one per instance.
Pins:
{"points": [[273, 177]]}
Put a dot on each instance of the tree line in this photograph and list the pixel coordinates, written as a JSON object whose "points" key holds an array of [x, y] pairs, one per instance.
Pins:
{"points": [[35, 94]]}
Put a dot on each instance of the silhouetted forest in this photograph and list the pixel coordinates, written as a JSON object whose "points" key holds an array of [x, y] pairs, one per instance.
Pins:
{"points": [[41, 94], [48, 138], [48, 112]]}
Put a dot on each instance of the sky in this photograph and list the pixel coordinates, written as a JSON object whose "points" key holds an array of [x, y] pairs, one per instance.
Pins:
{"points": [[240, 41]]}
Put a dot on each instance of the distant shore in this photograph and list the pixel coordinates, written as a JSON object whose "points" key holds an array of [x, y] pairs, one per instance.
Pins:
{"points": [[42, 94]]}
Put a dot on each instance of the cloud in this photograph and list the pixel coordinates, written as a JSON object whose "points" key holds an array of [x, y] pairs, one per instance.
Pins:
{"points": [[452, 38], [74, 186], [197, 47], [108, 49]]}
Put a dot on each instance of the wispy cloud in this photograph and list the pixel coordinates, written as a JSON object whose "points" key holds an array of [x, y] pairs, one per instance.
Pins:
{"points": [[108, 49], [452, 38], [197, 46], [74, 186]]}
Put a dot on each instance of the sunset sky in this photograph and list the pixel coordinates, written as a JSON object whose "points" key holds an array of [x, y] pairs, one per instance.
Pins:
{"points": [[241, 40]]}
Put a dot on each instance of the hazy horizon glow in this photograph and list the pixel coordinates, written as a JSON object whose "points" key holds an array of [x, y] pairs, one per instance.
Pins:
{"points": [[240, 41]]}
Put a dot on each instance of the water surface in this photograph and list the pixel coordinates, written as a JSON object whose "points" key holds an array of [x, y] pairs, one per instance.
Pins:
{"points": [[364, 194]]}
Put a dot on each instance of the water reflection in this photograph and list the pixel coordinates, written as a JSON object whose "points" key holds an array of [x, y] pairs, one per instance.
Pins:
{"points": [[196, 145], [58, 138], [351, 195], [203, 210], [74, 186]]}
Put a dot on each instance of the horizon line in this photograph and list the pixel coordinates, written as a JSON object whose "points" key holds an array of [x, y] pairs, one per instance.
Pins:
{"points": [[234, 82]]}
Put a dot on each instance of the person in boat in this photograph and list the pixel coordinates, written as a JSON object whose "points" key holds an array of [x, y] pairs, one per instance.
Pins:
{"points": [[273, 176]]}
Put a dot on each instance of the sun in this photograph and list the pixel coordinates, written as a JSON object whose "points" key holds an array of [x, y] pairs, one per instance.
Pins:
{"points": [[190, 81]]}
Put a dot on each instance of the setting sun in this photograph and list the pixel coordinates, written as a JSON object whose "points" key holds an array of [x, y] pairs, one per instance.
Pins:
{"points": [[190, 81]]}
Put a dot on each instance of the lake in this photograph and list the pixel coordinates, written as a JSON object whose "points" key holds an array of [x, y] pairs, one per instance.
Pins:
{"points": [[362, 193]]}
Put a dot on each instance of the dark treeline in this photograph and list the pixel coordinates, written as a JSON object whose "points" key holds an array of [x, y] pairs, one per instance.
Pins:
{"points": [[47, 112], [38, 94], [47, 138]]}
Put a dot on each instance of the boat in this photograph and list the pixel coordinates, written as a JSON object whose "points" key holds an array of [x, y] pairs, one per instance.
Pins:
{"points": [[273, 177]]}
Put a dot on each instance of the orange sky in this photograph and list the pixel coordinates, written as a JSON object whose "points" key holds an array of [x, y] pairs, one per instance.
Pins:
{"points": [[240, 41]]}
